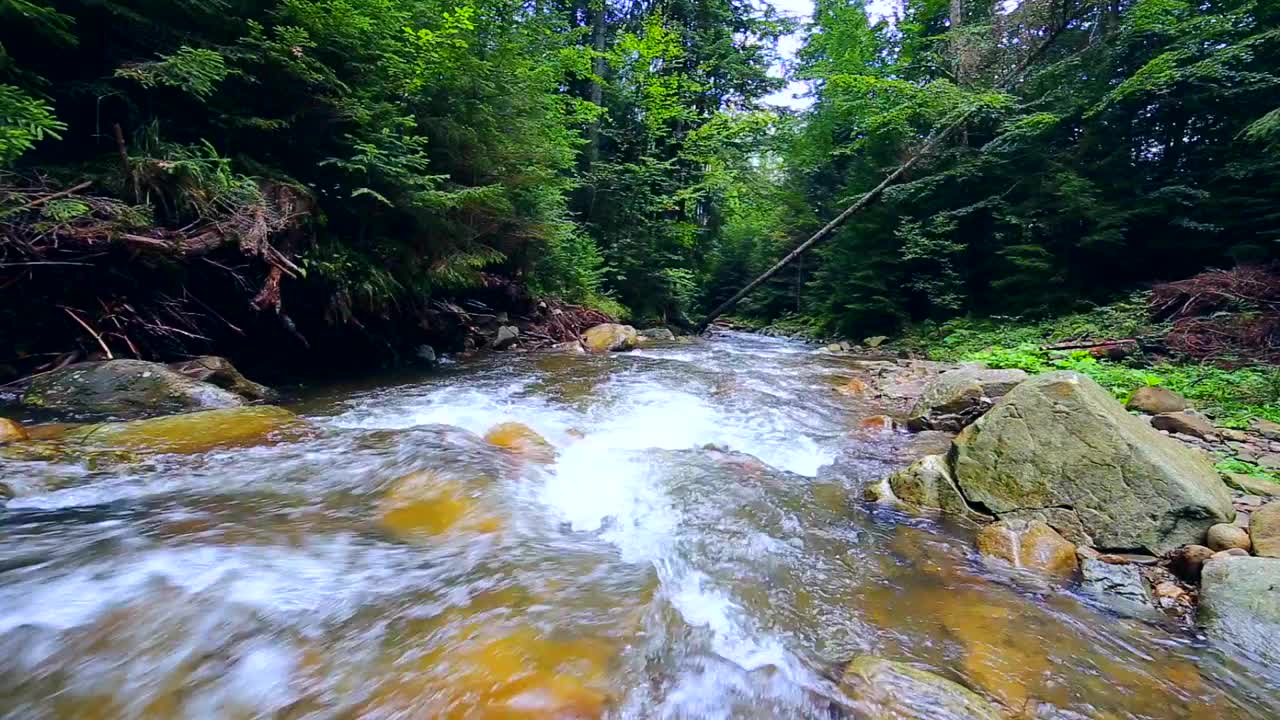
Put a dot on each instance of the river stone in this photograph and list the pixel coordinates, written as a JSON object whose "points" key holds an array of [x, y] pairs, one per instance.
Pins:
{"points": [[1251, 485], [1240, 604], [958, 396], [1264, 530], [1029, 544], [1184, 423], [1187, 561], [928, 483], [1059, 440], [506, 337], [219, 371], [1267, 429], [1224, 536], [609, 337], [886, 690], [1155, 400], [123, 389], [195, 432], [658, 333], [11, 431], [521, 440], [1109, 580]]}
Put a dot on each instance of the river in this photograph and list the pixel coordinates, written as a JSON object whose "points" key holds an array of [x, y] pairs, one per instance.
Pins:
{"points": [[695, 548]]}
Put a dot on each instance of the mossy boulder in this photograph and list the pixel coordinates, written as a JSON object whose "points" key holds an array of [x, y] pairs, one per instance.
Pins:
{"points": [[610, 337], [928, 483], [956, 397], [189, 433], [884, 689], [1060, 441], [423, 504], [219, 371], [124, 390], [521, 440]]}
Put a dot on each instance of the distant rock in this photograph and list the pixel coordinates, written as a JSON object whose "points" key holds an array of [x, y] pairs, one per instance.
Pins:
{"points": [[1155, 400], [123, 389], [1264, 530], [1267, 429], [658, 333], [427, 355], [1184, 423], [506, 336], [11, 431], [1240, 604], [888, 690], [1060, 441], [1029, 544], [609, 337], [875, 341], [572, 347], [219, 371], [957, 397], [1251, 485]]}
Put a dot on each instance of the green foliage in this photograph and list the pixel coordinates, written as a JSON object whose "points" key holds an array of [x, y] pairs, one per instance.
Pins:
{"points": [[194, 70], [1241, 467], [24, 121]]}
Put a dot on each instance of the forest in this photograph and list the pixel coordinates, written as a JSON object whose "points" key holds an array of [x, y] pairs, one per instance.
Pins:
{"points": [[263, 179]]}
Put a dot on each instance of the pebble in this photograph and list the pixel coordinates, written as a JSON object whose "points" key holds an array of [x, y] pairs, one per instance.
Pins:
{"points": [[1224, 536]]}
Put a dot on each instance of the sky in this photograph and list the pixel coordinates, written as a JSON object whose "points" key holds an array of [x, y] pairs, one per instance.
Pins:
{"points": [[788, 45]]}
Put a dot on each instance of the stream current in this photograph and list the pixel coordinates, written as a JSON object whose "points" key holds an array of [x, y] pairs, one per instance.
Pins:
{"points": [[696, 548]]}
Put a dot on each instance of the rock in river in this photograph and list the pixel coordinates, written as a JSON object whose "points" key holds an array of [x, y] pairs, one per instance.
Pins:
{"points": [[609, 337], [11, 431], [1060, 441], [958, 396], [192, 432], [1115, 580], [123, 389], [219, 371], [1264, 530], [883, 689], [1240, 604], [1030, 544], [928, 483]]}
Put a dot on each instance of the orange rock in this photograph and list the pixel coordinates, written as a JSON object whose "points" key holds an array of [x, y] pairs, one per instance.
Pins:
{"points": [[423, 504], [854, 387], [521, 440], [1028, 544], [11, 431], [876, 424]]}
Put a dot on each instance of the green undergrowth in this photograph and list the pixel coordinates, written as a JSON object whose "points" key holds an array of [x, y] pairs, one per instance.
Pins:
{"points": [[1233, 398]]}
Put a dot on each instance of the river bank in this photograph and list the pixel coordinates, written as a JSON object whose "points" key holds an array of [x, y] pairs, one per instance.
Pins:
{"points": [[678, 531]]}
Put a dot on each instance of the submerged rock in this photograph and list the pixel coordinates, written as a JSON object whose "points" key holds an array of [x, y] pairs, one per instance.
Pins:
{"points": [[123, 389], [1060, 441], [219, 371], [521, 440], [1154, 400], [1240, 604], [956, 397], [192, 432], [1028, 544], [884, 689], [423, 504], [609, 337], [1109, 581], [12, 431]]}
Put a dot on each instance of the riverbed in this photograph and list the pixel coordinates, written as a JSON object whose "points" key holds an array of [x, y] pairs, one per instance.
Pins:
{"points": [[692, 545]]}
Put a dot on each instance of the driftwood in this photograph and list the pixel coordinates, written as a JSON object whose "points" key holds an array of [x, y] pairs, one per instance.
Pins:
{"points": [[1109, 349]]}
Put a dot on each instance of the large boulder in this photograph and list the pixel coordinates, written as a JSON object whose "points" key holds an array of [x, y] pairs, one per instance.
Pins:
{"points": [[219, 371], [657, 333], [609, 337], [1060, 441], [1240, 604], [123, 389], [884, 689], [956, 397]]}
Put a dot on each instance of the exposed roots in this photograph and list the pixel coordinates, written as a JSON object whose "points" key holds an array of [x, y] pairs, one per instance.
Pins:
{"points": [[1225, 316]]}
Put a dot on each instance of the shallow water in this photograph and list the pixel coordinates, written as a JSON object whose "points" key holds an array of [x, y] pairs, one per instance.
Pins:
{"points": [[695, 549]]}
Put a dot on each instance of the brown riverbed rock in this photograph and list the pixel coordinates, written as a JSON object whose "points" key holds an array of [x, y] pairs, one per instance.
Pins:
{"points": [[123, 389], [1060, 441], [1184, 423], [1250, 485], [884, 690], [1187, 561], [609, 337], [424, 504], [521, 440], [1030, 544], [12, 431], [190, 433], [1155, 400], [1225, 536], [1264, 530]]}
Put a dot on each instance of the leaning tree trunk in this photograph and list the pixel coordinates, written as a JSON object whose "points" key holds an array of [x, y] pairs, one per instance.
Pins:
{"points": [[934, 141]]}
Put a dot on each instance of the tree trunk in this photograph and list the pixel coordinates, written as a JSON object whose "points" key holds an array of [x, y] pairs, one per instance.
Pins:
{"points": [[598, 9]]}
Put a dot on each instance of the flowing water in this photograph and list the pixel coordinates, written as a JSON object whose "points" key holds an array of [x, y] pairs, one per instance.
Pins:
{"points": [[695, 548]]}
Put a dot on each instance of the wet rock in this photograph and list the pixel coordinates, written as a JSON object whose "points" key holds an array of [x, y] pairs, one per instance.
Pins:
{"points": [[506, 336], [658, 333], [609, 337], [928, 483], [1184, 423], [1156, 400], [572, 347], [521, 440], [1251, 485], [1028, 544], [876, 425], [1240, 604], [427, 355], [1224, 536], [1110, 581], [424, 504], [956, 397], [875, 341], [833, 348], [854, 388], [123, 389], [1230, 552], [1187, 561], [195, 432], [885, 689], [1061, 441], [219, 371], [12, 431], [1264, 530]]}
